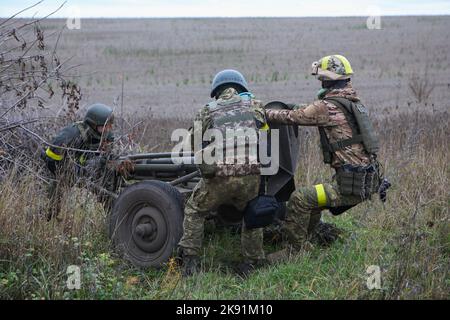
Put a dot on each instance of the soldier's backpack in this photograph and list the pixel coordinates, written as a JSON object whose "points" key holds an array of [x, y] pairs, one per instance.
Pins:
{"points": [[261, 211]]}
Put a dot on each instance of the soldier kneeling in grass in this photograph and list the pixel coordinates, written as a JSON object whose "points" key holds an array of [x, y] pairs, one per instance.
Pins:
{"points": [[349, 145]]}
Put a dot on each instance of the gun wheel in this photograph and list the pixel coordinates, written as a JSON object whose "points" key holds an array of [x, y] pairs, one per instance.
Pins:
{"points": [[146, 223]]}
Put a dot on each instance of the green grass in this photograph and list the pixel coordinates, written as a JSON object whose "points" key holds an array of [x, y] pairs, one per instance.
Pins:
{"points": [[336, 272]]}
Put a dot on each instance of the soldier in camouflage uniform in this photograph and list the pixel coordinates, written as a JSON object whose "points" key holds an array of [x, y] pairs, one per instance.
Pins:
{"points": [[91, 134], [223, 183], [348, 143]]}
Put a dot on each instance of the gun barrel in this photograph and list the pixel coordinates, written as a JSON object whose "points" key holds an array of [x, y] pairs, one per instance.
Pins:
{"points": [[143, 156], [180, 160], [150, 169]]}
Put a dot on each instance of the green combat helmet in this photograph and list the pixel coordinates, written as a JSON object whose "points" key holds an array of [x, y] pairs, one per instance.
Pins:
{"points": [[228, 77], [334, 67], [98, 115]]}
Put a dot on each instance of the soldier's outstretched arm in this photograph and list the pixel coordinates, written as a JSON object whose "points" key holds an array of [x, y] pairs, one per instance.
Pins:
{"points": [[315, 114]]}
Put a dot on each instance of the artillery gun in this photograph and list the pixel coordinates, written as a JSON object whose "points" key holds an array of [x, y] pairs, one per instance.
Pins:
{"points": [[146, 219]]}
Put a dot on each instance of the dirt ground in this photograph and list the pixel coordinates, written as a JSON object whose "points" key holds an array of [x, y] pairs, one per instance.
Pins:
{"points": [[167, 64]]}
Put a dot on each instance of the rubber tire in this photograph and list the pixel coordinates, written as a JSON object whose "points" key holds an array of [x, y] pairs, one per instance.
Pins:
{"points": [[152, 194]]}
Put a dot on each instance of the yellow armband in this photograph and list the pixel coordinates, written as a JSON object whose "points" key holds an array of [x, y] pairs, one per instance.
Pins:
{"points": [[53, 155]]}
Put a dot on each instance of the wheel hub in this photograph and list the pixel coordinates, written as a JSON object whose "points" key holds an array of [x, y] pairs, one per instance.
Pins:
{"points": [[144, 230], [149, 229]]}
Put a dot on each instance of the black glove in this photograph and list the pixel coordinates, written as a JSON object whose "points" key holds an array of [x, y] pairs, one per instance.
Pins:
{"points": [[382, 191]]}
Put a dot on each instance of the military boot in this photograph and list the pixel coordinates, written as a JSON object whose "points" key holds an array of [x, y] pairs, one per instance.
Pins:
{"points": [[245, 268], [190, 265]]}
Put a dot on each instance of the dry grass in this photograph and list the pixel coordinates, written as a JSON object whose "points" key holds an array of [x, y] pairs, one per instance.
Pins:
{"points": [[415, 156], [407, 236], [32, 249]]}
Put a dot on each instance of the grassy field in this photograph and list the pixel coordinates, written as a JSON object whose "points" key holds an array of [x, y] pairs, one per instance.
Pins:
{"points": [[167, 66], [408, 238]]}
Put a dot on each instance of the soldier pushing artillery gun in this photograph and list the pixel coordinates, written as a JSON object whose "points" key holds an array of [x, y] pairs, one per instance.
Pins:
{"points": [[161, 200], [146, 221]]}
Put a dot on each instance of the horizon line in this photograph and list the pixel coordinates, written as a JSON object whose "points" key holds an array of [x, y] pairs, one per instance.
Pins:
{"points": [[233, 17]]}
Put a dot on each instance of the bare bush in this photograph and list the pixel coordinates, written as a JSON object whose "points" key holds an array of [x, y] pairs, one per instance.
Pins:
{"points": [[421, 87], [30, 74]]}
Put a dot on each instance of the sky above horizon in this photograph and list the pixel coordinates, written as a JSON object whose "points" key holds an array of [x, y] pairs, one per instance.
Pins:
{"points": [[221, 8]]}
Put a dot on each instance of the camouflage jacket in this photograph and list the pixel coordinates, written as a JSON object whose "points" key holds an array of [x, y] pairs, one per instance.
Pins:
{"points": [[78, 136], [322, 113], [204, 117]]}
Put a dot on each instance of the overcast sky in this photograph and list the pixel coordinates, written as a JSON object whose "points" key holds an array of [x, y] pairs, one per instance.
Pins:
{"points": [[226, 8]]}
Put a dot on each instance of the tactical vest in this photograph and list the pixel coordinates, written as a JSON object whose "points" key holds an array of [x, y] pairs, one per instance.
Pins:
{"points": [[238, 150], [362, 131]]}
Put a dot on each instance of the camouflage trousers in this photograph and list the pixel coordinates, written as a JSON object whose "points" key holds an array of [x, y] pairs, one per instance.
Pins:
{"points": [[304, 210], [208, 195], [59, 184]]}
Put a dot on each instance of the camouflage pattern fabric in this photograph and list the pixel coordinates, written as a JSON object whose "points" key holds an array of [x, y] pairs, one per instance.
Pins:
{"points": [[327, 115], [304, 211], [335, 65], [207, 196], [306, 204], [240, 156], [237, 112], [205, 118], [231, 184]]}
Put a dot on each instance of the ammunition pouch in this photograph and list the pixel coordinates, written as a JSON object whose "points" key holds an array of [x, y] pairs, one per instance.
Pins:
{"points": [[261, 211], [360, 181]]}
